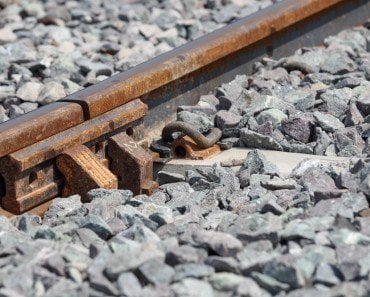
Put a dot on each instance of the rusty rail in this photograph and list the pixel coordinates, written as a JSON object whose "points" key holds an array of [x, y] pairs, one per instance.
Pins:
{"points": [[34, 148]]}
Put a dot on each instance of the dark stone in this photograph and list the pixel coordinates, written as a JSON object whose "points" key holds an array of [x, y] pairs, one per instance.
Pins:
{"points": [[98, 225], [223, 264], [165, 177], [298, 128]]}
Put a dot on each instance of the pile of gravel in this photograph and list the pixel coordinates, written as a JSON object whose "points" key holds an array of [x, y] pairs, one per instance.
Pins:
{"points": [[315, 102], [209, 233], [51, 48]]}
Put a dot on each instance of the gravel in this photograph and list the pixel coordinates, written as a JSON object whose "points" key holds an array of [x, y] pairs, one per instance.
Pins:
{"points": [[313, 102], [209, 232], [304, 233]]}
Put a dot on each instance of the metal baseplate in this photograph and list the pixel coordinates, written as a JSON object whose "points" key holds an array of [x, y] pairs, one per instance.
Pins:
{"points": [[100, 152]]}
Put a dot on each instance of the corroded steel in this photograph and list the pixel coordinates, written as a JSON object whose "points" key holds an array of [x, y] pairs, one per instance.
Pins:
{"points": [[132, 164], [186, 59], [30, 176], [37, 125], [202, 141], [83, 171], [185, 147]]}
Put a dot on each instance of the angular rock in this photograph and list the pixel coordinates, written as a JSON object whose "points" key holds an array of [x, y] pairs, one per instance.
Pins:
{"points": [[225, 119], [221, 243], [255, 140], [192, 287], [198, 120], [275, 116], [328, 122], [154, 271], [299, 128]]}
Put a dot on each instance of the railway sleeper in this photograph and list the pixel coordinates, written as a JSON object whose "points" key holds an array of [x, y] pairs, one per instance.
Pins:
{"points": [[96, 153]]}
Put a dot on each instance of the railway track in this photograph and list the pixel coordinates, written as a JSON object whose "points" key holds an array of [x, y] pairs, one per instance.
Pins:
{"points": [[264, 192], [44, 151]]}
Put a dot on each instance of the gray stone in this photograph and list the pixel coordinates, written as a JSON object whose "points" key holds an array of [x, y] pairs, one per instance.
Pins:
{"points": [[345, 236], [268, 283], [162, 216], [273, 207], [90, 239], [173, 189], [279, 184], [315, 179], [255, 140], [249, 228], [297, 230], [192, 270], [346, 206], [328, 122], [275, 116], [302, 99], [30, 91], [322, 141], [100, 283], [129, 215], [190, 287], [353, 116], [198, 120], [326, 274], [223, 264], [256, 163], [140, 233], [266, 102], [63, 208], [183, 254], [98, 225], [249, 288], [129, 285], [363, 104], [154, 271], [225, 119], [130, 256], [98, 68], [28, 106], [336, 101], [15, 111], [337, 62], [225, 281], [51, 92], [284, 270], [221, 243]]}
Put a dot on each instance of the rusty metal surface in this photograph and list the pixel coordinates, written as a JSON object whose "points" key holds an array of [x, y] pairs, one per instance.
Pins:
{"points": [[81, 134], [83, 171], [202, 141], [186, 147], [132, 164], [208, 49], [37, 125], [30, 176]]}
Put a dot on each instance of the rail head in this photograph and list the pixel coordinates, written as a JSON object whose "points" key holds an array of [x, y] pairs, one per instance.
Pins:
{"points": [[192, 56]]}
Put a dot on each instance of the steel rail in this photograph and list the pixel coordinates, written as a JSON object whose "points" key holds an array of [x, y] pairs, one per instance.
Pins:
{"points": [[181, 75], [34, 148]]}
